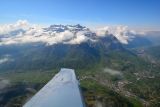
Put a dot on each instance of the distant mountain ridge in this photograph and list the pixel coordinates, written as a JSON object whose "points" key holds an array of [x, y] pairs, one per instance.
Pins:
{"points": [[62, 28], [67, 34], [23, 32], [40, 56], [57, 46]]}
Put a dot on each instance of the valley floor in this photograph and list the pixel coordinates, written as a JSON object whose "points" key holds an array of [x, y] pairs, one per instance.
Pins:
{"points": [[100, 89]]}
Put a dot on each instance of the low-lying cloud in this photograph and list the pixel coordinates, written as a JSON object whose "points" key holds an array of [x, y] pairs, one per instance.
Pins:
{"points": [[20, 24], [112, 72], [5, 58], [122, 33], [35, 33]]}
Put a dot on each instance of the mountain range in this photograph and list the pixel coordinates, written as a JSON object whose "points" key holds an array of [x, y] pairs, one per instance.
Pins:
{"points": [[72, 46], [113, 62]]}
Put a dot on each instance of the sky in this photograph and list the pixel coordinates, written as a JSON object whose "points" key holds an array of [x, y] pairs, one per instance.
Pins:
{"points": [[133, 13]]}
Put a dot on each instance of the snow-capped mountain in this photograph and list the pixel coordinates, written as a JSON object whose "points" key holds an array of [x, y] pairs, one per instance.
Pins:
{"points": [[36, 47], [62, 28], [23, 32]]}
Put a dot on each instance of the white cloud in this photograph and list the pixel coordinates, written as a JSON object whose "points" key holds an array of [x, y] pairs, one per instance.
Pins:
{"points": [[102, 31], [122, 33], [5, 58], [35, 33], [20, 24], [112, 72], [78, 39], [58, 37]]}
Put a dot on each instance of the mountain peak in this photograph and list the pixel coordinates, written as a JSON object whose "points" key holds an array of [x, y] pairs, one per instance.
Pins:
{"points": [[61, 28]]}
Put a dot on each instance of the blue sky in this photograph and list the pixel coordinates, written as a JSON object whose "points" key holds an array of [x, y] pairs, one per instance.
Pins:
{"points": [[144, 13]]}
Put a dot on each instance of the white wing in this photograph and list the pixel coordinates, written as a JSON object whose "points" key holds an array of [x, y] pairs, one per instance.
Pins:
{"points": [[61, 91]]}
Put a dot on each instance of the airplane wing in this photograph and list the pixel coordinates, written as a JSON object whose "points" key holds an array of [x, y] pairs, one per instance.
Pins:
{"points": [[62, 91]]}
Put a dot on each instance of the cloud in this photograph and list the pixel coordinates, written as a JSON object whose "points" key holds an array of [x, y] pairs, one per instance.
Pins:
{"points": [[58, 37], [5, 58], [122, 33], [78, 38], [102, 31], [35, 33], [20, 24], [112, 72]]}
